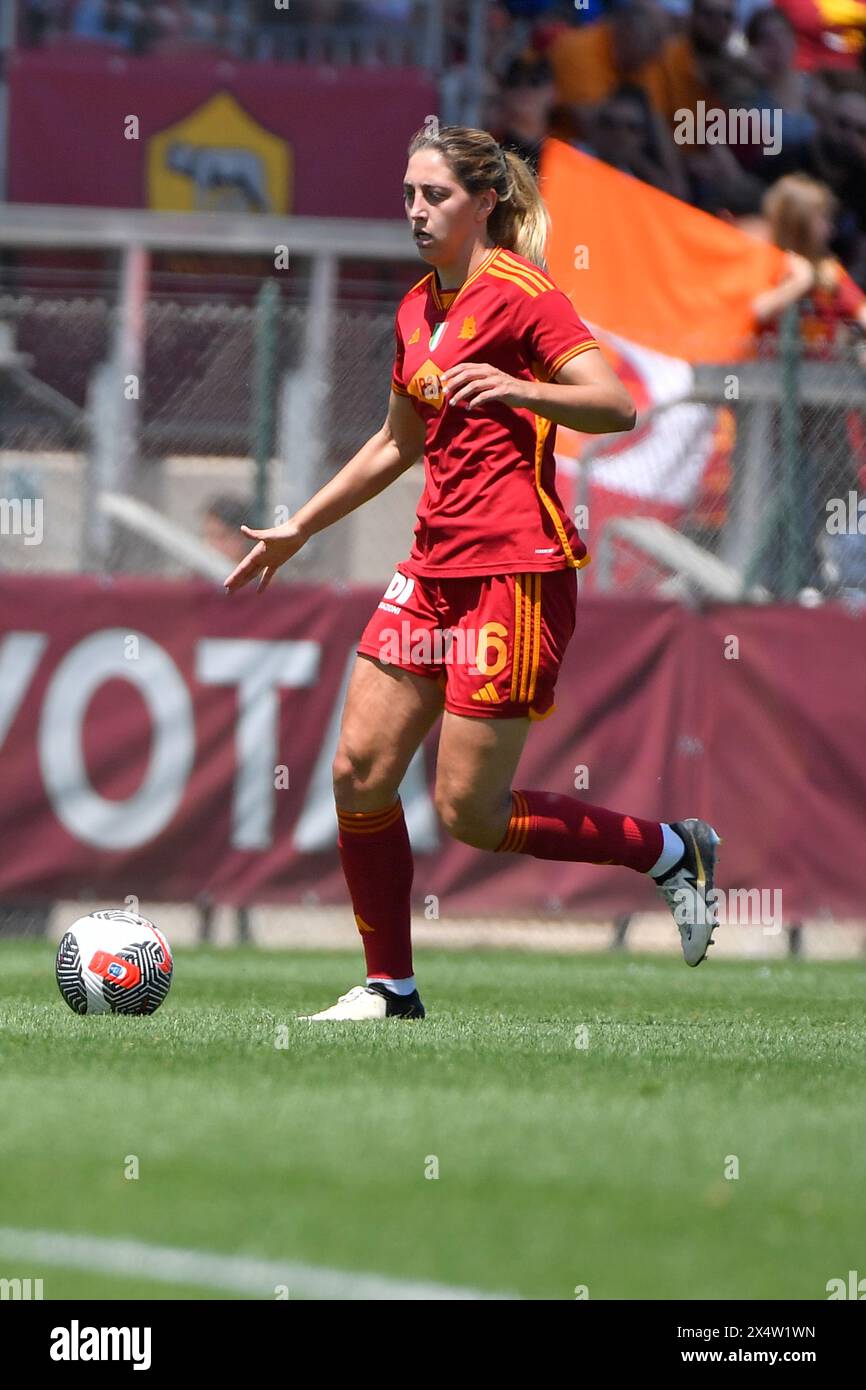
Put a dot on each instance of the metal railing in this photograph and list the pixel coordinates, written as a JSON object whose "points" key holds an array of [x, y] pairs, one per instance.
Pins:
{"points": [[799, 454]]}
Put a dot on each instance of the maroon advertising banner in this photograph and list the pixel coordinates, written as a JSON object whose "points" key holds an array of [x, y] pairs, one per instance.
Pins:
{"points": [[160, 739], [183, 134]]}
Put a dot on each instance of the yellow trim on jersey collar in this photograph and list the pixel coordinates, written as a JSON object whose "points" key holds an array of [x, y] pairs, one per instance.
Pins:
{"points": [[531, 280], [437, 295]]}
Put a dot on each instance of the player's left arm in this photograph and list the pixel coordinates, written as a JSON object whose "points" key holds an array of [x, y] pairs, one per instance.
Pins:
{"points": [[585, 394]]}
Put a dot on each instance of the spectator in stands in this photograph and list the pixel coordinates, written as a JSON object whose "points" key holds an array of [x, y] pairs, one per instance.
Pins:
{"points": [[107, 21], [829, 33], [745, 9], [722, 75], [526, 102], [717, 181], [396, 11], [159, 20], [218, 26], [772, 43], [725, 80], [633, 45], [836, 155], [135, 25], [848, 112], [296, 32], [534, 9], [544, 17], [269, 29], [637, 44], [629, 135], [780, 90], [799, 214]]}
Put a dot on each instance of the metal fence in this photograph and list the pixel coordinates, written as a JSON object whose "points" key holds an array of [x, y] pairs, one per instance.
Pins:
{"points": [[220, 385], [264, 401], [753, 467]]}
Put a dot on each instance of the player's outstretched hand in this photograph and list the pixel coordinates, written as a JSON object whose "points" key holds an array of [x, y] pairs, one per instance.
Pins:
{"points": [[273, 548]]}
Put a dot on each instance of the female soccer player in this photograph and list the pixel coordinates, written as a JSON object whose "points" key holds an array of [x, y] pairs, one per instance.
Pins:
{"points": [[490, 357]]}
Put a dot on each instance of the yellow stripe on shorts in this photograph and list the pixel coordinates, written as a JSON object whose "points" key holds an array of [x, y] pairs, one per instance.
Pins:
{"points": [[526, 648]]}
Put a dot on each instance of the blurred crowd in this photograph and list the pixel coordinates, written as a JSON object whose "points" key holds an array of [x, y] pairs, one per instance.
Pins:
{"points": [[613, 87], [608, 76], [242, 29]]}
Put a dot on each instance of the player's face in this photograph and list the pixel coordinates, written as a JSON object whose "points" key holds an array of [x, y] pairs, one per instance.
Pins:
{"points": [[444, 218]]}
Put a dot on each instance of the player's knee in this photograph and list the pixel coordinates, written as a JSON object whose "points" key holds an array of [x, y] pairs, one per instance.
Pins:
{"points": [[359, 778], [349, 772], [467, 819]]}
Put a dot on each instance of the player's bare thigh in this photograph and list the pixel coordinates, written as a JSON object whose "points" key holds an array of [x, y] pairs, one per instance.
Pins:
{"points": [[387, 715], [474, 772]]}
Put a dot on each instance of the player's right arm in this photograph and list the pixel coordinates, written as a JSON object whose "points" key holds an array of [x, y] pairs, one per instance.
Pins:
{"points": [[798, 279], [388, 453]]}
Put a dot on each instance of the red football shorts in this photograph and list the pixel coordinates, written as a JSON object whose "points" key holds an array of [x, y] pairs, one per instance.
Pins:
{"points": [[495, 644]]}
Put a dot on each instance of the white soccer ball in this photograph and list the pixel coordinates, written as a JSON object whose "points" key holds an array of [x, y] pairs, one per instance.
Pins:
{"points": [[114, 962]]}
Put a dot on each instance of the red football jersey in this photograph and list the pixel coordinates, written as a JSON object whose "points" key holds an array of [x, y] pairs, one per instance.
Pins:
{"points": [[489, 504]]}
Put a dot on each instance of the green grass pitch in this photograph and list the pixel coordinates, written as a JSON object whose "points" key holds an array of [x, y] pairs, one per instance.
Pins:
{"points": [[583, 1111]]}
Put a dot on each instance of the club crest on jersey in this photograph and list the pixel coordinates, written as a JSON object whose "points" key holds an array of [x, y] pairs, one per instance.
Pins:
{"points": [[436, 335], [415, 337], [467, 328]]}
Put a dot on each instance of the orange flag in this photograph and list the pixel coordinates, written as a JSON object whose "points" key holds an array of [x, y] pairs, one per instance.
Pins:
{"points": [[648, 267]]}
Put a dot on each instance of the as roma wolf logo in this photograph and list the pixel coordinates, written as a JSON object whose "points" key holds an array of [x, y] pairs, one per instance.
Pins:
{"points": [[219, 158]]}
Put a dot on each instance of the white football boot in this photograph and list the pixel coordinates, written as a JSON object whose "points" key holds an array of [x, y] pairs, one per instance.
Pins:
{"points": [[370, 1001], [685, 888]]}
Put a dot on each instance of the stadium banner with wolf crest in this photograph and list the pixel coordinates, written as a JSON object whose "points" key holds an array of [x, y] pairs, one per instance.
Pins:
{"points": [[176, 134], [159, 739]]}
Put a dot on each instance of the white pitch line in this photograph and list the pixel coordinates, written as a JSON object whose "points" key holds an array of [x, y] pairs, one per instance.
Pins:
{"points": [[237, 1273]]}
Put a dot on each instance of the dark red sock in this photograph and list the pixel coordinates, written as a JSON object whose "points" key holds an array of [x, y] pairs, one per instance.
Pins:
{"points": [[550, 826], [377, 862]]}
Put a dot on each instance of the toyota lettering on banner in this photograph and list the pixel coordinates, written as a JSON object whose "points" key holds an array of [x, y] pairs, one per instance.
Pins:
{"points": [[158, 737]]}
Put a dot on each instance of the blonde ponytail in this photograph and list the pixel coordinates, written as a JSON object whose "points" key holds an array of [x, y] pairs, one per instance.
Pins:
{"points": [[523, 224]]}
